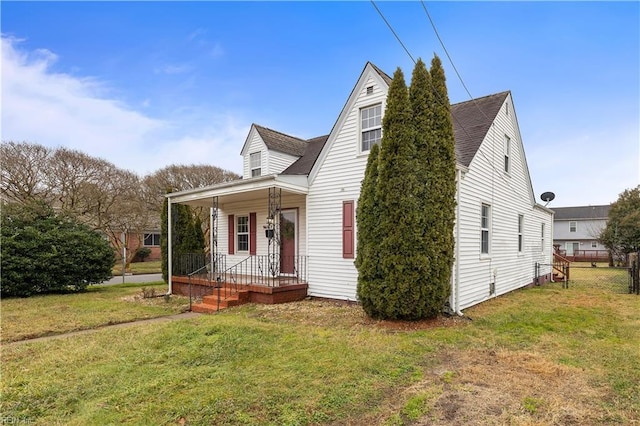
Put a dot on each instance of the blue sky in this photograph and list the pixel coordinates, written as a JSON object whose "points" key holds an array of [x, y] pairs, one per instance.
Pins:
{"points": [[148, 84]]}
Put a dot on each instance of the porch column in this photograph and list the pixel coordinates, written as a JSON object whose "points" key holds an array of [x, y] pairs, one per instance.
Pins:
{"points": [[169, 247]]}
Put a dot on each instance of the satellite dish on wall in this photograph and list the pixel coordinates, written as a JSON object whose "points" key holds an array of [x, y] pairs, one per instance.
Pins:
{"points": [[547, 197]]}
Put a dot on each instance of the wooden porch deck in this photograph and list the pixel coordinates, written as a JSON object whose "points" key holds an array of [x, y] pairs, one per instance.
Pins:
{"points": [[284, 290]]}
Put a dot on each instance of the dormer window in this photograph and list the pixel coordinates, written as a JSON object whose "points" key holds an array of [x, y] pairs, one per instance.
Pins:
{"points": [[370, 126], [255, 163]]}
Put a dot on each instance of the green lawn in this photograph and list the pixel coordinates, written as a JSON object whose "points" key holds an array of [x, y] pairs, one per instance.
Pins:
{"points": [[152, 267], [99, 305], [539, 356]]}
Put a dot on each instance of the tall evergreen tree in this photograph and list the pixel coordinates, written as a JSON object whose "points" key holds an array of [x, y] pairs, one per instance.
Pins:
{"points": [[443, 180], [400, 259], [368, 244], [422, 103]]}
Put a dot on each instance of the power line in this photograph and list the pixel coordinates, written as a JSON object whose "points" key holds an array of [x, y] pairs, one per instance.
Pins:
{"points": [[435, 30], [394, 33], [437, 94]]}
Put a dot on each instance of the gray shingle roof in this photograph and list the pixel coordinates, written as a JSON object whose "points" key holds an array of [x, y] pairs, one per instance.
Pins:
{"points": [[304, 164], [471, 122], [281, 142], [582, 212], [383, 74]]}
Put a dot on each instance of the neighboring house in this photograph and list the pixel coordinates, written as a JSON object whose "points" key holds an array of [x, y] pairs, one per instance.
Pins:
{"points": [[313, 187], [576, 231], [135, 241]]}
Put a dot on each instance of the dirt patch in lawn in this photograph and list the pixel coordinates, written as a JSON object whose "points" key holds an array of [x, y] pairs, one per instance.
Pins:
{"points": [[509, 387], [331, 313]]}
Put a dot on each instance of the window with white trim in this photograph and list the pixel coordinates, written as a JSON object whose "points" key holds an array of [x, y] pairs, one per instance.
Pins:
{"points": [[484, 228], [370, 126], [151, 240], [594, 244], [242, 233], [520, 230], [507, 154], [573, 226], [255, 163]]}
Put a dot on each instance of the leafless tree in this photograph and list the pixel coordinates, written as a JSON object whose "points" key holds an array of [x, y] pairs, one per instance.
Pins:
{"points": [[24, 167], [176, 177]]}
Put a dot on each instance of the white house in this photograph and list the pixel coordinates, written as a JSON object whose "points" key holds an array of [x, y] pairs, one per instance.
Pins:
{"points": [[303, 194], [576, 231]]}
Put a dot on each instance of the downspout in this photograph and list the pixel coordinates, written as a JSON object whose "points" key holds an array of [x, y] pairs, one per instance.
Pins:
{"points": [[457, 251], [169, 248]]}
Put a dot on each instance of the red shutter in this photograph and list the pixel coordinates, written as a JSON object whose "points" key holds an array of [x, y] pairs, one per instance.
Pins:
{"points": [[347, 230], [252, 233], [232, 237]]}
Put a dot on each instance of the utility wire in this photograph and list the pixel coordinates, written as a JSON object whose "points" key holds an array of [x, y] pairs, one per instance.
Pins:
{"points": [[435, 30], [439, 99], [394, 33]]}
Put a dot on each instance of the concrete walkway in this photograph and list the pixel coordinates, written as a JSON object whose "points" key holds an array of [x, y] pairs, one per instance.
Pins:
{"points": [[184, 315], [143, 278]]}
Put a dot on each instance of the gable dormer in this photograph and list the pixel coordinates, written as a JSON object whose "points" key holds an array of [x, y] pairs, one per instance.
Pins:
{"points": [[267, 152]]}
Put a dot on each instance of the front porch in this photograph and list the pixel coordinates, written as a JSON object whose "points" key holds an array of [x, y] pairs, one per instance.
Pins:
{"points": [[257, 244], [256, 279]]}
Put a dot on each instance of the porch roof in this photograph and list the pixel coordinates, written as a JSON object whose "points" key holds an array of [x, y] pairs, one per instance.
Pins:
{"points": [[240, 190]]}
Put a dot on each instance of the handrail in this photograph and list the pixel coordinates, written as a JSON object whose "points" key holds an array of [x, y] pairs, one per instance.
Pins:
{"points": [[261, 270], [562, 265]]}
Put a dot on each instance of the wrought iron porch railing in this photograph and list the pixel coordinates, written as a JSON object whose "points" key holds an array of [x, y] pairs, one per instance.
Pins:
{"points": [[261, 270], [268, 270], [203, 280]]}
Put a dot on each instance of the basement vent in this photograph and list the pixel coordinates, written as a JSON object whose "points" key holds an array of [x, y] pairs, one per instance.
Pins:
{"points": [[370, 90]]}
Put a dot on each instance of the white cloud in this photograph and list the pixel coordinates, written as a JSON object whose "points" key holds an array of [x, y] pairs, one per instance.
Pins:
{"points": [[58, 109]]}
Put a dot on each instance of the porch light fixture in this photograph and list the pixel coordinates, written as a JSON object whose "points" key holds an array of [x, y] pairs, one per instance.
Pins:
{"points": [[269, 227]]}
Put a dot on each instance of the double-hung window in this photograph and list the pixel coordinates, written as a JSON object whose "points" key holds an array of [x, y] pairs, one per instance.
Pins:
{"points": [[507, 154], [243, 233], [573, 226], [370, 126], [484, 228], [255, 163], [520, 230]]}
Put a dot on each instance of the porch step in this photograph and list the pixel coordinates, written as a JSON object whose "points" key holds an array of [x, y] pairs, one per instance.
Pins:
{"points": [[210, 303]]}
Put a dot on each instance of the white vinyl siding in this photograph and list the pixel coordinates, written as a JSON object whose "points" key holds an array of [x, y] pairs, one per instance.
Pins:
{"points": [[338, 180], [484, 182], [271, 162]]}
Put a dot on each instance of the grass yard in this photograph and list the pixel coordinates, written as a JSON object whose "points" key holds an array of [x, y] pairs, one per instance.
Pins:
{"points": [[151, 267], [541, 356], [100, 305]]}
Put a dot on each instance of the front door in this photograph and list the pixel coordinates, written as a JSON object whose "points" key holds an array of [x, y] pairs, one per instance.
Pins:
{"points": [[288, 219]]}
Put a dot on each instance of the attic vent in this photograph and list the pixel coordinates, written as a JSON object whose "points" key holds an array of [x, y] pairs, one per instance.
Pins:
{"points": [[370, 90]]}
